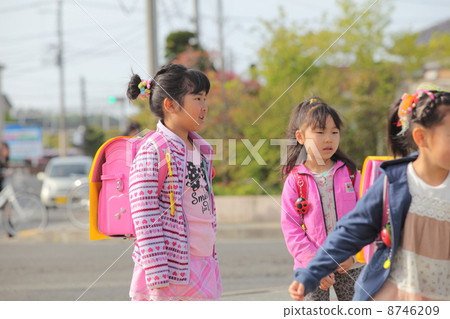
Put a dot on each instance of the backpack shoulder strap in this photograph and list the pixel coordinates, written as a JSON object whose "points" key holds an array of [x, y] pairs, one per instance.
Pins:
{"points": [[385, 218], [162, 147], [301, 182], [352, 175]]}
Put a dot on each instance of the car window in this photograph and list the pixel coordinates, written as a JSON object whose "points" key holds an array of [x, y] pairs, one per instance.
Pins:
{"points": [[65, 170]]}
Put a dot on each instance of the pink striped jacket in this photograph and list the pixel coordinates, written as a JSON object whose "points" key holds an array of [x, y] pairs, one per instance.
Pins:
{"points": [[162, 240]]}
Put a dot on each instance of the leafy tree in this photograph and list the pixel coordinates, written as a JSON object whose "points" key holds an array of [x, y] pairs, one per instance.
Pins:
{"points": [[349, 75], [359, 71], [94, 137], [182, 47], [177, 42]]}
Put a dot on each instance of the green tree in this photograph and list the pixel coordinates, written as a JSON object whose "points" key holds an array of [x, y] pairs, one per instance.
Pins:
{"points": [[350, 75], [94, 137], [178, 42], [182, 47], [358, 70]]}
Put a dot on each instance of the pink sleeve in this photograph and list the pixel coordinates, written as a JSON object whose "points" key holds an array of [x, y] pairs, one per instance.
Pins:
{"points": [[146, 216], [297, 242]]}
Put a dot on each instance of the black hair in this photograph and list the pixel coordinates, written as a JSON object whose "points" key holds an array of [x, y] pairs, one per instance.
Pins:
{"points": [[133, 126], [427, 113], [4, 146], [172, 81], [312, 112]]}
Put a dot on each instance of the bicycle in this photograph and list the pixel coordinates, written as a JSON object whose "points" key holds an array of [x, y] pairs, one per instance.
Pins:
{"points": [[22, 211], [77, 207]]}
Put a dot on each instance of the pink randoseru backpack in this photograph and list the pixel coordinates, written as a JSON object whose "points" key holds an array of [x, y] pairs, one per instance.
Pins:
{"points": [[371, 171], [110, 212]]}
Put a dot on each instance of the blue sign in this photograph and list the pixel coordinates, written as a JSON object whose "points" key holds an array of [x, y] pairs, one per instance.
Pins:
{"points": [[25, 142]]}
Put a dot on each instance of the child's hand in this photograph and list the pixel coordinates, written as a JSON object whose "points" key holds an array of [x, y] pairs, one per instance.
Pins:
{"points": [[297, 291], [346, 265], [327, 282]]}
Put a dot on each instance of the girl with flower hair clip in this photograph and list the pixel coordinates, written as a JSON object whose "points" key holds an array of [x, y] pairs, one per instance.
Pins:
{"points": [[413, 263]]}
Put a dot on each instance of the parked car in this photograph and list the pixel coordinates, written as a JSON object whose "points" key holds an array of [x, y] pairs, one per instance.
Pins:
{"points": [[60, 175]]}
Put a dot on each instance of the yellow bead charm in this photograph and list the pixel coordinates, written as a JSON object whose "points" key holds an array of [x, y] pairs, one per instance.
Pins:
{"points": [[387, 264], [172, 202]]}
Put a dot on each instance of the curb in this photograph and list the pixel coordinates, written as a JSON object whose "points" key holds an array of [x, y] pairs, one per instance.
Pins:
{"points": [[225, 231]]}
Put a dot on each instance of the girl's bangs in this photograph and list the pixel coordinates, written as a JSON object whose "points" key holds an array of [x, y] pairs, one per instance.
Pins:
{"points": [[198, 82], [317, 117]]}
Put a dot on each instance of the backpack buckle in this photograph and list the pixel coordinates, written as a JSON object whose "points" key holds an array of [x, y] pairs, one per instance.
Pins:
{"points": [[119, 185]]}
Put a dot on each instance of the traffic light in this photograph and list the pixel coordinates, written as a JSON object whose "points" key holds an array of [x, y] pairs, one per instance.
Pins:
{"points": [[112, 99]]}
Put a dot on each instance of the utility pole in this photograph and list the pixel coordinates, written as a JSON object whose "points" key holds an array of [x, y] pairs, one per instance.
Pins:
{"points": [[60, 63], [105, 119], [2, 106], [220, 29], [196, 21], [83, 114], [123, 102], [221, 48], [152, 37]]}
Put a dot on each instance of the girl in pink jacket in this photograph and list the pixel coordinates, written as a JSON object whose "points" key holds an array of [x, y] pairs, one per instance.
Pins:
{"points": [[321, 185]]}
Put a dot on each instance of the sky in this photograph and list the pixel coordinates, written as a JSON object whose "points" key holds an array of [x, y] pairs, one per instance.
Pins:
{"points": [[28, 41]]}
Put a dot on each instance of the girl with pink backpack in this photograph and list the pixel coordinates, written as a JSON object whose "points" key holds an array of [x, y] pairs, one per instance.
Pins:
{"points": [[174, 254], [321, 186]]}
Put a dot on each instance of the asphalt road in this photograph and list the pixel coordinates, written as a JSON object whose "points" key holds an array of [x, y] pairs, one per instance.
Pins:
{"points": [[66, 267], [251, 270]]}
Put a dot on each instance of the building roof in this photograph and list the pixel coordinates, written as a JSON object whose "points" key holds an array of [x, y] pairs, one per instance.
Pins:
{"points": [[425, 35]]}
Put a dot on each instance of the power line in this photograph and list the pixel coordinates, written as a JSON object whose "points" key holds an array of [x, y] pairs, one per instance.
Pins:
{"points": [[100, 48], [76, 31], [107, 41], [126, 9], [107, 50], [19, 8], [428, 3], [101, 5]]}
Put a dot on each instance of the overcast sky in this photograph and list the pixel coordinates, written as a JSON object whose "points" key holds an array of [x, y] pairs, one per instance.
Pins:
{"points": [[28, 40]]}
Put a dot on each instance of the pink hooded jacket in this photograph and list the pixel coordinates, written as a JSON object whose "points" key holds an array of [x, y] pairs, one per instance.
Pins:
{"points": [[304, 247]]}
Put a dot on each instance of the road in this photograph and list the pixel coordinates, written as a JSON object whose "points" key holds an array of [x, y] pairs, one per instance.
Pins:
{"points": [[251, 270], [70, 267]]}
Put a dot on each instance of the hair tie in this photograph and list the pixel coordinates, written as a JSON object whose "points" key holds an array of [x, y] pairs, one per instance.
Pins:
{"points": [[409, 102], [312, 101], [144, 86]]}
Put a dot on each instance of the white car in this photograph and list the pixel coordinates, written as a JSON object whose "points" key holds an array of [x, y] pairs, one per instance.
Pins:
{"points": [[59, 177]]}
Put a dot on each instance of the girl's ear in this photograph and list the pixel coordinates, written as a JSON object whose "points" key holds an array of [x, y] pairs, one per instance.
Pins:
{"points": [[419, 136], [169, 105], [299, 136]]}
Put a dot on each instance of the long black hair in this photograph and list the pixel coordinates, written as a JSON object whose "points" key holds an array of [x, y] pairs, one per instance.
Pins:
{"points": [[172, 81], [427, 113], [312, 112]]}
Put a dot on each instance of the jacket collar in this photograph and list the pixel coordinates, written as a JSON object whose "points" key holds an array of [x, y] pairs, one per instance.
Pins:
{"points": [[204, 146], [301, 169], [395, 169]]}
